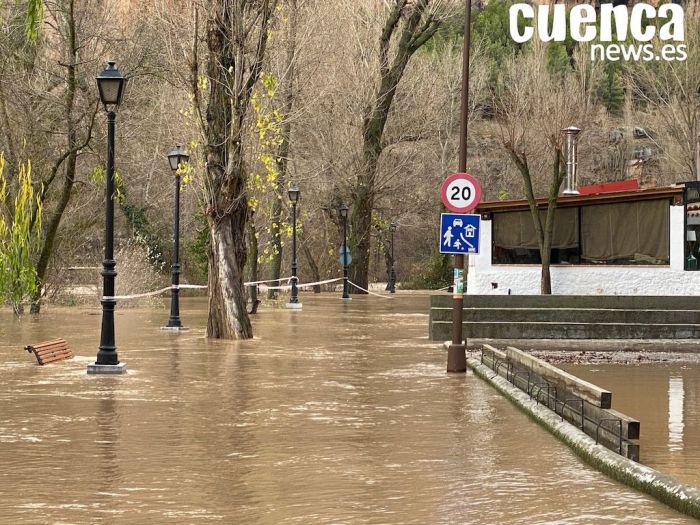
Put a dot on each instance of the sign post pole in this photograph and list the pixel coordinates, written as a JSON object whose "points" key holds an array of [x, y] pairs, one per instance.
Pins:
{"points": [[456, 353]]}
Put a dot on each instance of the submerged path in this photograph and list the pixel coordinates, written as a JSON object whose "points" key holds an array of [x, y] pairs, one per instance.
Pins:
{"points": [[340, 413]]}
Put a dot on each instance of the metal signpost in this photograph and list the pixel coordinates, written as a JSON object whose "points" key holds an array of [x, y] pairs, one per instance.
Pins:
{"points": [[459, 236], [456, 355]]}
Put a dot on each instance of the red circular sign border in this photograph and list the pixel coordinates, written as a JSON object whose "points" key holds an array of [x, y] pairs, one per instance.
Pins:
{"points": [[452, 178]]}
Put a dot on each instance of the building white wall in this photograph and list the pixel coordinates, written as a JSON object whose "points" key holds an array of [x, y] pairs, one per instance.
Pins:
{"points": [[524, 279]]}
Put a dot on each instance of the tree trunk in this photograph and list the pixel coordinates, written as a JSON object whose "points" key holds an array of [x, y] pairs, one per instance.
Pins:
{"points": [[418, 27], [315, 274], [228, 318], [284, 147], [359, 238], [276, 242], [252, 266], [54, 222], [237, 34]]}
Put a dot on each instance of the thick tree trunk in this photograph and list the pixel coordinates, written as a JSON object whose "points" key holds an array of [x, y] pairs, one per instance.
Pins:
{"points": [[360, 237], [418, 27], [228, 318], [237, 34]]}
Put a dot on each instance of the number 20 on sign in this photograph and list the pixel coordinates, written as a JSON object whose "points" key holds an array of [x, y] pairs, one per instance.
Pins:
{"points": [[460, 193]]}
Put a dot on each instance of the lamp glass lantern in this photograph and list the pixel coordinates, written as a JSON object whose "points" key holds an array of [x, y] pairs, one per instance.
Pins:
{"points": [[343, 211], [177, 157], [293, 194], [110, 84]]}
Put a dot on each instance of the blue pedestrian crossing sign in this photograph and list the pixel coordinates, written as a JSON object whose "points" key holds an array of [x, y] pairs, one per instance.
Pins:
{"points": [[459, 233]]}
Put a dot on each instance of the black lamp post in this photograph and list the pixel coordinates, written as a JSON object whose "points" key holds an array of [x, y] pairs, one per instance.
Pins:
{"points": [[392, 271], [344, 214], [176, 158], [294, 303], [110, 84]]}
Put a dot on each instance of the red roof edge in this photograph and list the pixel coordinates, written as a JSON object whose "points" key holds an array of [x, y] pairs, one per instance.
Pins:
{"points": [[610, 187]]}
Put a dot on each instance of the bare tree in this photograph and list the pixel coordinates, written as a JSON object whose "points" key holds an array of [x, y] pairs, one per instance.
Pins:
{"points": [[407, 27], [533, 106], [671, 92], [237, 34]]}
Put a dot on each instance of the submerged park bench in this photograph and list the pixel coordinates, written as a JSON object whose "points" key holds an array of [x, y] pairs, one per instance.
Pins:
{"points": [[583, 404], [50, 351]]}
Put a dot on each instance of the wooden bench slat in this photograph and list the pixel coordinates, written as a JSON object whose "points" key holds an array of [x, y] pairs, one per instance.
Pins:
{"points": [[45, 343], [54, 359], [50, 351], [51, 354], [59, 344], [56, 356]]}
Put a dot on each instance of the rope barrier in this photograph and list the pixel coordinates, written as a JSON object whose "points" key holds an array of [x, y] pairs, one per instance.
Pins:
{"points": [[262, 284], [253, 283], [367, 291], [305, 285], [199, 287]]}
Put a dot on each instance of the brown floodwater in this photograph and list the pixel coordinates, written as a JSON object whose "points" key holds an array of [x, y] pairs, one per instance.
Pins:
{"points": [[339, 413], [665, 398]]}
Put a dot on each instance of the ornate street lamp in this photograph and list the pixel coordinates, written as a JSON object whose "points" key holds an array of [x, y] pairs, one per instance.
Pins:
{"points": [[344, 214], [110, 84], [294, 303], [392, 272], [176, 158]]}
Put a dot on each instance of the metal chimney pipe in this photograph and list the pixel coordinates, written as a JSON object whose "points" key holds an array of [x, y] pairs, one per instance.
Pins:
{"points": [[571, 160], [697, 158]]}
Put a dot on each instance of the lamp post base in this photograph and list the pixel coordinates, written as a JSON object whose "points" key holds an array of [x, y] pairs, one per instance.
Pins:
{"points": [[175, 328], [95, 369], [293, 306], [456, 359]]}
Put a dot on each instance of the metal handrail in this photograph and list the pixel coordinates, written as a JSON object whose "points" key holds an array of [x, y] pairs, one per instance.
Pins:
{"points": [[597, 429], [515, 375], [566, 402], [545, 389]]}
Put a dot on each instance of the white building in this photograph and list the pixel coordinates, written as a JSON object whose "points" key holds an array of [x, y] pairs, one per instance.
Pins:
{"points": [[639, 242]]}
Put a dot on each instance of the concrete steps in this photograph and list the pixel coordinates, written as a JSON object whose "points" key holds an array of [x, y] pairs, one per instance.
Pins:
{"points": [[569, 317], [442, 330], [578, 315]]}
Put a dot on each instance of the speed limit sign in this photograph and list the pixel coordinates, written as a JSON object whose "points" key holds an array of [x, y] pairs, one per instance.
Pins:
{"points": [[460, 193]]}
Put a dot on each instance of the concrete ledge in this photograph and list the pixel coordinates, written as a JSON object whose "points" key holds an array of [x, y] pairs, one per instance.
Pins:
{"points": [[679, 496], [95, 369], [599, 345]]}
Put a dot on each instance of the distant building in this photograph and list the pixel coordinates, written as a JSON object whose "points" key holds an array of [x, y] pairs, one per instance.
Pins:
{"points": [[629, 242]]}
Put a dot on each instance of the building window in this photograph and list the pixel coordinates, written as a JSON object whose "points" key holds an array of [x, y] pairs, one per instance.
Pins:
{"points": [[625, 233], [605, 234], [515, 237]]}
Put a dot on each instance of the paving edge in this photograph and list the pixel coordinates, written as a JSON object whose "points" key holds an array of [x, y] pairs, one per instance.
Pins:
{"points": [[667, 489]]}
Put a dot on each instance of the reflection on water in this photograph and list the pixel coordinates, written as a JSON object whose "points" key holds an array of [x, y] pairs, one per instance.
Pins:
{"points": [[676, 395], [339, 413], [664, 398]]}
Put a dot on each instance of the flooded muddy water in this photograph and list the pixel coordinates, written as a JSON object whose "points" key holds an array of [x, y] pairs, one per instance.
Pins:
{"points": [[665, 398], [339, 413]]}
